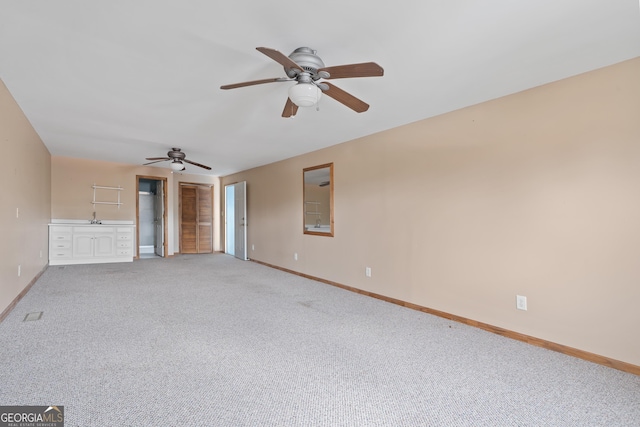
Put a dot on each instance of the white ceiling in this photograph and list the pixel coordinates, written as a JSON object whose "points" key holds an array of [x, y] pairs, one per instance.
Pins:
{"points": [[122, 80]]}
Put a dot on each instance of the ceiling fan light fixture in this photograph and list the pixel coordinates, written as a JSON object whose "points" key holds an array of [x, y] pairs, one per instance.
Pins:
{"points": [[177, 165], [304, 94]]}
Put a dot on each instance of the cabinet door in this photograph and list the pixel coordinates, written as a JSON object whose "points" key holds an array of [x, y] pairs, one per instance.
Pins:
{"points": [[104, 244], [82, 245]]}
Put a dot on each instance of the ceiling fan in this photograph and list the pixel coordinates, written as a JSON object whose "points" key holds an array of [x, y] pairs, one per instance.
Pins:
{"points": [[306, 68], [177, 158]]}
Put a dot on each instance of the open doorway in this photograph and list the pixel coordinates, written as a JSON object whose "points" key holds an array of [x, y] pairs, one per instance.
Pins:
{"points": [[151, 208]]}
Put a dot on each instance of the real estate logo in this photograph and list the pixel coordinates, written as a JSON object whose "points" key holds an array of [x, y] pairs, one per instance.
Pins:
{"points": [[31, 416]]}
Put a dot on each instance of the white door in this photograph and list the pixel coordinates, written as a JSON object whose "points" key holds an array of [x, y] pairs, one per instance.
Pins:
{"points": [[158, 220], [240, 199], [230, 220], [236, 220]]}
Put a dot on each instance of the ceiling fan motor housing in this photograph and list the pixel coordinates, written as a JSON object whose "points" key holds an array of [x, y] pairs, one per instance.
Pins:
{"points": [[176, 154], [308, 60]]}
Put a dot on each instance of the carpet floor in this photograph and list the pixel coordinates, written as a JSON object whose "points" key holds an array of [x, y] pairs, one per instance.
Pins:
{"points": [[209, 340]]}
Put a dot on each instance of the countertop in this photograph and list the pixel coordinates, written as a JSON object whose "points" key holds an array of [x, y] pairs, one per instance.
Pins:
{"points": [[88, 222]]}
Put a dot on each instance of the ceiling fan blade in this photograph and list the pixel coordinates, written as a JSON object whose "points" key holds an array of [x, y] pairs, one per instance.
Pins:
{"points": [[346, 98], [290, 109], [196, 164], [254, 82], [155, 161], [158, 158], [280, 58], [365, 69]]}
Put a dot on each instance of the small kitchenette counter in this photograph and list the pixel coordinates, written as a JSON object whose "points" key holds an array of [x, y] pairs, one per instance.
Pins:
{"points": [[84, 242]]}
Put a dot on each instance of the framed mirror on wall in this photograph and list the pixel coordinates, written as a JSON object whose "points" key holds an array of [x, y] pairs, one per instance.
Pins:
{"points": [[318, 200]]}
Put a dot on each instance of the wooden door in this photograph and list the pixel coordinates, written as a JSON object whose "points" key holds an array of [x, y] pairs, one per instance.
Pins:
{"points": [[196, 219], [205, 219]]}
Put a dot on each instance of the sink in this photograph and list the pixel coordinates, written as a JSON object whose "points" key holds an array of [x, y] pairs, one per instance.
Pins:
{"points": [[321, 229]]}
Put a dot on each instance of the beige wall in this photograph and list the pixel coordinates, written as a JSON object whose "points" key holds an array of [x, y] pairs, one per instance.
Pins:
{"points": [[26, 187], [534, 194], [72, 193]]}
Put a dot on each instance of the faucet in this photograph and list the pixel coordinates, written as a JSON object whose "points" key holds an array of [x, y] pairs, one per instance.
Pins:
{"points": [[94, 220], [318, 222]]}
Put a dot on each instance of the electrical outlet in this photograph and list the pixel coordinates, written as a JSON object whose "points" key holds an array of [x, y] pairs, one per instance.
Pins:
{"points": [[19, 268], [295, 256], [521, 302], [253, 247], [17, 212], [367, 271]]}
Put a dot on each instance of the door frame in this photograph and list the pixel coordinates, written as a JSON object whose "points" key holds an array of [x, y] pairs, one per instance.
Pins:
{"points": [[165, 243]]}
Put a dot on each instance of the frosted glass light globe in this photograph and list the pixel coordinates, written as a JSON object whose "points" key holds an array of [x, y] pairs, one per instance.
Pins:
{"points": [[177, 166], [305, 94]]}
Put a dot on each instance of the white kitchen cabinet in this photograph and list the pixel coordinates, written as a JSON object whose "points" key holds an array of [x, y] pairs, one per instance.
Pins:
{"points": [[89, 244], [94, 241]]}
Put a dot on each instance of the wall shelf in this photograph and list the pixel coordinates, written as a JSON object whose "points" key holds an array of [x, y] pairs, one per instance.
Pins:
{"points": [[102, 187], [315, 205]]}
